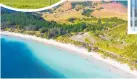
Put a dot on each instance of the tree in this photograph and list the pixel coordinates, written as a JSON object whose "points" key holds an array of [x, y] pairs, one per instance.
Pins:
{"points": [[71, 19], [87, 12]]}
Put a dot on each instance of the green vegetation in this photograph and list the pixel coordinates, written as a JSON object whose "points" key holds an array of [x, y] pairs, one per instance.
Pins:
{"points": [[28, 4], [110, 34], [33, 22], [77, 43], [120, 43], [87, 12], [82, 4]]}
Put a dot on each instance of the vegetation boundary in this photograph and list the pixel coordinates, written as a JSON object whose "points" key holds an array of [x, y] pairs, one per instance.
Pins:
{"points": [[32, 10]]}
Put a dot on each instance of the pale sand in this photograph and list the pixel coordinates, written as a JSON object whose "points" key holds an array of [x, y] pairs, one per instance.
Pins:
{"points": [[80, 50]]}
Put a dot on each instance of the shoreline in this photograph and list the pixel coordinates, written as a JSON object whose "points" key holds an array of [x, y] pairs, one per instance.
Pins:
{"points": [[74, 48]]}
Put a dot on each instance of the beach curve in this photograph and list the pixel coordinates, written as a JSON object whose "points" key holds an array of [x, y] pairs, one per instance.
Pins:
{"points": [[83, 51]]}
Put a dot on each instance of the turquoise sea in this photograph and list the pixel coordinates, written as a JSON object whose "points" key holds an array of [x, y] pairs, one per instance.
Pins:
{"points": [[22, 58]]}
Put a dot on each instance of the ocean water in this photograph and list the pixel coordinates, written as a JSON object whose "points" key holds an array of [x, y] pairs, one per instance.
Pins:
{"points": [[22, 58]]}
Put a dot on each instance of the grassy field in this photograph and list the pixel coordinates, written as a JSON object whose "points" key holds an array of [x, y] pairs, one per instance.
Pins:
{"points": [[76, 9], [28, 4]]}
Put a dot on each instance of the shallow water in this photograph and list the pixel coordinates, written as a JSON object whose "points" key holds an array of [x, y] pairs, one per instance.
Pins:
{"points": [[31, 59]]}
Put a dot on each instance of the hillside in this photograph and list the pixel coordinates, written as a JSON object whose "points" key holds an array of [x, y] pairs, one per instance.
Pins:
{"points": [[76, 9], [113, 9], [120, 42]]}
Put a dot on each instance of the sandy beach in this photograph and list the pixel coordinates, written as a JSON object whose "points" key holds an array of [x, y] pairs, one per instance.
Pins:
{"points": [[71, 47]]}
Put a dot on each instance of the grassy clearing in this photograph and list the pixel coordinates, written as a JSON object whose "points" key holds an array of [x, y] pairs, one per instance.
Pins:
{"points": [[28, 4]]}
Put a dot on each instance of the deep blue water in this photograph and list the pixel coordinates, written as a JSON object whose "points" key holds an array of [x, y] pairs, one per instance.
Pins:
{"points": [[17, 61], [30, 59]]}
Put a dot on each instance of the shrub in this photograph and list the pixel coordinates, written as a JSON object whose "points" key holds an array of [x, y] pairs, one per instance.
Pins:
{"points": [[87, 12]]}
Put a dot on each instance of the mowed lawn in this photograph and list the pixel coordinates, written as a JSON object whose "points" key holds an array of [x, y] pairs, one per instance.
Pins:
{"points": [[28, 4]]}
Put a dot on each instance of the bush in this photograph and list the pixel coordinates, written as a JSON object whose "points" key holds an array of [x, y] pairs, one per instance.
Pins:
{"points": [[87, 12], [71, 19]]}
